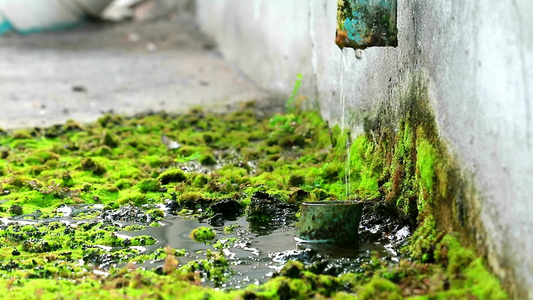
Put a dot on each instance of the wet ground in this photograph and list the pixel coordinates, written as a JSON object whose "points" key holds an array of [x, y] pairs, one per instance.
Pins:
{"points": [[256, 251]]}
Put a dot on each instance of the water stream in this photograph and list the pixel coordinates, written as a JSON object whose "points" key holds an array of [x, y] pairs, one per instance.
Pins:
{"points": [[344, 72]]}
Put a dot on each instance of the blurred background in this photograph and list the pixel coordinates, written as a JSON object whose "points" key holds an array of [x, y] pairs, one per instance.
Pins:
{"points": [[79, 59]]}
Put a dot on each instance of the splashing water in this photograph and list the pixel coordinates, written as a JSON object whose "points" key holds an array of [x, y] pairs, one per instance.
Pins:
{"points": [[344, 70]]}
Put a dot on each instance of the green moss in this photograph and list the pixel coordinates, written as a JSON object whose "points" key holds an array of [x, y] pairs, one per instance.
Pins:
{"points": [[109, 139], [425, 163], [71, 125], [142, 240], [174, 175], [233, 174], [466, 273], [134, 198], [111, 189], [379, 288], [149, 185], [481, 283], [200, 180], [90, 164], [230, 229], [292, 269], [156, 213], [157, 161], [123, 183], [103, 151], [16, 210], [296, 157], [136, 227], [296, 180], [424, 240], [192, 199], [22, 134], [41, 157], [202, 234], [109, 120], [363, 175], [208, 160]]}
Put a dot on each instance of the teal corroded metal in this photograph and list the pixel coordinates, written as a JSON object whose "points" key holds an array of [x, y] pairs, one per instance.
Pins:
{"points": [[329, 221], [366, 23]]}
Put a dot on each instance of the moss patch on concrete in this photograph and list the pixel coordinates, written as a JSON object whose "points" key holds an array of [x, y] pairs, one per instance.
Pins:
{"points": [[409, 166]]}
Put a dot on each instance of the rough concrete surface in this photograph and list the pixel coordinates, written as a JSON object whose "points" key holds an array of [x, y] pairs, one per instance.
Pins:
{"points": [[477, 57], [126, 68]]}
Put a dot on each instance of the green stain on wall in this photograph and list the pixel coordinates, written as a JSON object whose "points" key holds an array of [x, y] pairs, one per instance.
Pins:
{"points": [[406, 164]]}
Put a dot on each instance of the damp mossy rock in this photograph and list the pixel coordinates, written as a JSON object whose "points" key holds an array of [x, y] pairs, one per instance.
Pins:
{"points": [[149, 185], [174, 175], [203, 234]]}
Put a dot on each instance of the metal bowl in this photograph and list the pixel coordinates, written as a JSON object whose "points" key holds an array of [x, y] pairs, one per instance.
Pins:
{"points": [[329, 221]]}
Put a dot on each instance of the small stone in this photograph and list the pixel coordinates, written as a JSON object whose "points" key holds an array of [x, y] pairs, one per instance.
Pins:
{"points": [[16, 209], [79, 89], [208, 160], [296, 180], [133, 37], [216, 221], [151, 47]]}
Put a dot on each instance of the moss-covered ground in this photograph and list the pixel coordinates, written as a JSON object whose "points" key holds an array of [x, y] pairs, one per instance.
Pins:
{"points": [[208, 166]]}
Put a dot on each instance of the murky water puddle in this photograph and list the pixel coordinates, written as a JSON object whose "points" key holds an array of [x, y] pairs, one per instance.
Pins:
{"points": [[256, 256], [255, 252]]}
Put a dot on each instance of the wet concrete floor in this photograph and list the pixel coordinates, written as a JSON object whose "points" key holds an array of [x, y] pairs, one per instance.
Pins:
{"points": [[125, 68]]}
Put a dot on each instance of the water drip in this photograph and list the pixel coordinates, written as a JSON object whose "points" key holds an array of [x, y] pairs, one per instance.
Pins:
{"points": [[348, 166], [344, 71]]}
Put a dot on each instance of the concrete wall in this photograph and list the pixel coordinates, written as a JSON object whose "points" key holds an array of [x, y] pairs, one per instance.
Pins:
{"points": [[478, 58]]}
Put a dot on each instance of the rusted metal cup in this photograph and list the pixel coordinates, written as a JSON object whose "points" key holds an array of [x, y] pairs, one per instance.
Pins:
{"points": [[329, 221]]}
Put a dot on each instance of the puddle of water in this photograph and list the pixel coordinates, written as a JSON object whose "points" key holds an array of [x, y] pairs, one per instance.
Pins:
{"points": [[258, 252], [257, 255]]}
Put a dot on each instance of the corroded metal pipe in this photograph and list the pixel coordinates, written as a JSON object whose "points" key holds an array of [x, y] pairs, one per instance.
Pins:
{"points": [[366, 23]]}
